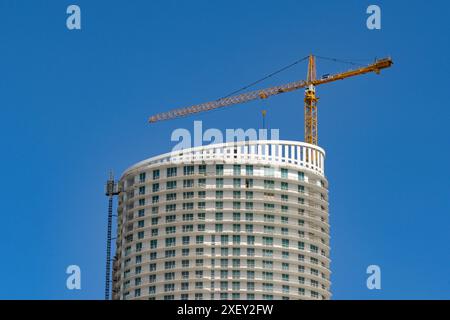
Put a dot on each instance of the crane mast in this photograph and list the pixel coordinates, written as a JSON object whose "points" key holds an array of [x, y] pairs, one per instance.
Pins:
{"points": [[311, 104], [310, 100]]}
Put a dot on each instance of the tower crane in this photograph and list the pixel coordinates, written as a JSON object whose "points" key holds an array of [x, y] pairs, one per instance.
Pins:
{"points": [[310, 100]]}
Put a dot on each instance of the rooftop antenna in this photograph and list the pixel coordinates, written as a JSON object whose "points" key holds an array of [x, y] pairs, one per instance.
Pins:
{"points": [[111, 190]]}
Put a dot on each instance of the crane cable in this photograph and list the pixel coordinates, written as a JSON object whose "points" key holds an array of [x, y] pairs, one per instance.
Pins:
{"points": [[285, 68], [264, 78]]}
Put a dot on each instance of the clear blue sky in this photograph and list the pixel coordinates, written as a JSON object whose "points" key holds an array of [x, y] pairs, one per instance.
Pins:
{"points": [[74, 104]]}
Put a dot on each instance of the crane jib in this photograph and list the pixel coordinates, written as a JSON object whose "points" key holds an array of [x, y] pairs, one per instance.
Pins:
{"points": [[265, 93]]}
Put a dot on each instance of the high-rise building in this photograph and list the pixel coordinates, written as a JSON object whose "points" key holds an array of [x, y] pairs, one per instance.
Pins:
{"points": [[246, 220]]}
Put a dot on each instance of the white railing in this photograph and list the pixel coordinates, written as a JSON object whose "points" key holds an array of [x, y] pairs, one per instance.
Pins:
{"points": [[271, 152]]}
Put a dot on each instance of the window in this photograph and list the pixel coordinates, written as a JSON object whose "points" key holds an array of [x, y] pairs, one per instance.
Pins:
{"points": [[188, 195], [301, 189], [237, 170], [249, 216], [171, 185], [170, 242], [249, 170], [202, 194], [249, 183], [169, 287], [268, 241], [188, 183], [224, 239], [269, 229], [199, 239], [267, 253], [171, 172], [267, 286], [138, 247], [201, 183], [171, 197], [219, 182], [219, 216], [155, 174], [142, 190], [219, 169], [236, 183], [250, 240], [268, 171], [284, 186], [188, 170], [236, 216], [236, 195], [269, 184], [267, 275], [188, 206], [202, 169], [142, 177], [219, 194], [171, 218], [171, 207], [301, 176], [284, 173], [169, 253]]}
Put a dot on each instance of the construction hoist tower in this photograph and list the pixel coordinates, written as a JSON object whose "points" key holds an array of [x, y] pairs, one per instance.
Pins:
{"points": [[111, 190]]}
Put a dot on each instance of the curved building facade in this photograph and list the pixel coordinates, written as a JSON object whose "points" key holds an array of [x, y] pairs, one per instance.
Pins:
{"points": [[244, 221]]}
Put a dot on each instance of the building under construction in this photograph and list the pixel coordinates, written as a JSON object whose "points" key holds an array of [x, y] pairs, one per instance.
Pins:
{"points": [[241, 220]]}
